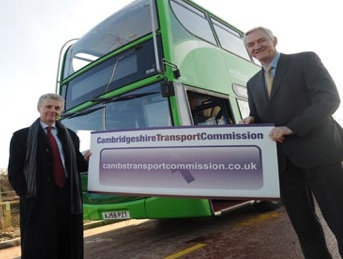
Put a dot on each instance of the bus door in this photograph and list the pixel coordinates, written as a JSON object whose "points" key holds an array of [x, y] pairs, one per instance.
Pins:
{"points": [[208, 108]]}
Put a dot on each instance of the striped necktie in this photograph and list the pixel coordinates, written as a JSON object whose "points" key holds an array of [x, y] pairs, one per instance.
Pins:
{"points": [[58, 169]]}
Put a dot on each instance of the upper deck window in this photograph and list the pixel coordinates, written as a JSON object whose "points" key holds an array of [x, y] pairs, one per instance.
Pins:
{"points": [[121, 28], [198, 23], [193, 20], [230, 40], [116, 72]]}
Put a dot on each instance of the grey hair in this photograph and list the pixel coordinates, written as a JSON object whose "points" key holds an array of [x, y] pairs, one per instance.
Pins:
{"points": [[260, 28], [50, 96]]}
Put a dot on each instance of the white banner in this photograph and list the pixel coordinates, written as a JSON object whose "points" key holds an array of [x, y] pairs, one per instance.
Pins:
{"points": [[221, 161]]}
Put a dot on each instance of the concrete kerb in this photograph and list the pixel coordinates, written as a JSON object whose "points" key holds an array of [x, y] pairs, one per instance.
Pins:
{"points": [[10, 243]]}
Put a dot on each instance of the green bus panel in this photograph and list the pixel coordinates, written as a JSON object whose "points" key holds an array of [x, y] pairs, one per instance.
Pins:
{"points": [[163, 207]]}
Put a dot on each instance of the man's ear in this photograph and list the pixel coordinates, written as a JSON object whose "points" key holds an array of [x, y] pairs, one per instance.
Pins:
{"points": [[275, 41]]}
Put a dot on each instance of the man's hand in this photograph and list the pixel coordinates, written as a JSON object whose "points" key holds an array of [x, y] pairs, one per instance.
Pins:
{"points": [[247, 120], [278, 133], [87, 154]]}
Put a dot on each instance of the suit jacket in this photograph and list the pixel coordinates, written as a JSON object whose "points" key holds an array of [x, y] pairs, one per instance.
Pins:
{"points": [[45, 177], [303, 98]]}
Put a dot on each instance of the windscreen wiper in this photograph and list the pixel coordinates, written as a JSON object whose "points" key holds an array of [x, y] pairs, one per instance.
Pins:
{"points": [[70, 115]]}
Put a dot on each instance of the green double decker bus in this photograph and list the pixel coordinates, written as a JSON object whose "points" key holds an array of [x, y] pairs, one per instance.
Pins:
{"points": [[155, 63]]}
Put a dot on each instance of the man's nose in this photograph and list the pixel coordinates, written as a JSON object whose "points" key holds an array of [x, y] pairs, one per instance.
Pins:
{"points": [[257, 46]]}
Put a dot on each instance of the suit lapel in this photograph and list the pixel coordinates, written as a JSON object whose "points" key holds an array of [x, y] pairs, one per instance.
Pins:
{"points": [[281, 70], [262, 89]]}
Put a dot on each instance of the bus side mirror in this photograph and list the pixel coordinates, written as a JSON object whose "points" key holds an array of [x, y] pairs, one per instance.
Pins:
{"points": [[177, 73], [167, 89]]}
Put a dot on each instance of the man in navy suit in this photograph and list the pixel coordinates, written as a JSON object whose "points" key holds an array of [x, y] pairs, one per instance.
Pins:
{"points": [[301, 103], [51, 219]]}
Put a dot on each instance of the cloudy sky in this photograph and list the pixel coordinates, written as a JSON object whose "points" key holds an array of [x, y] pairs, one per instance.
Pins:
{"points": [[33, 31]]}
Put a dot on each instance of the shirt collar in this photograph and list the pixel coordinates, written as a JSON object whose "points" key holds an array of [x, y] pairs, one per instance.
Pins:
{"points": [[274, 61], [44, 126]]}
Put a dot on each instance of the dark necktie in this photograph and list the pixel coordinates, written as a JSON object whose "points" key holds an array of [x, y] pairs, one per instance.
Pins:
{"points": [[269, 79], [60, 178]]}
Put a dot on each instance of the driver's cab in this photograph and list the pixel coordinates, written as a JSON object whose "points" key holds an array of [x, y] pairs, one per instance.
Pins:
{"points": [[209, 110]]}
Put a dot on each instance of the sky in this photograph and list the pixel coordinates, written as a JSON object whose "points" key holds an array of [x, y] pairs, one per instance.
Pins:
{"points": [[33, 31]]}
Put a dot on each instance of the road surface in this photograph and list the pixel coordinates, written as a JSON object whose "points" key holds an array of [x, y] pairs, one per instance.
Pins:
{"points": [[243, 234]]}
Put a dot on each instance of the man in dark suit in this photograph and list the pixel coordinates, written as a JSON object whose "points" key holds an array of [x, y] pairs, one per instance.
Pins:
{"points": [[51, 221], [302, 100]]}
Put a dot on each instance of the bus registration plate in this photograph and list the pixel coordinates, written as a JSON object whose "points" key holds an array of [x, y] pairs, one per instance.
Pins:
{"points": [[116, 215]]}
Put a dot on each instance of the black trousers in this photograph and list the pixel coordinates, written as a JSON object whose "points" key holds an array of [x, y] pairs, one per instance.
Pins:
{"points": [[298, 186]]}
